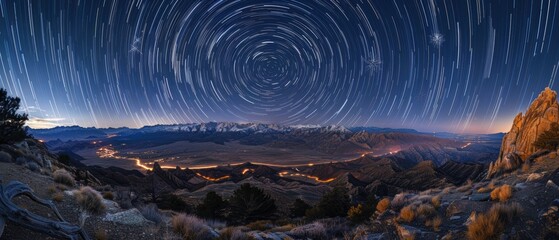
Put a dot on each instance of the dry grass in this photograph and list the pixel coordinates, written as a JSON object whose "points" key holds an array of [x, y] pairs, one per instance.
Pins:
{"points": [[383, 205], [315, 230], [233, 233], [100, 234], [434, 222], [64, 177], [90, 200], [484, 190], [502, 193], [190, 227], [491, 224], [260, 225], [436, 201], [58, 196], [425, 211], [407, 213], [525, 167], [108, 195]]}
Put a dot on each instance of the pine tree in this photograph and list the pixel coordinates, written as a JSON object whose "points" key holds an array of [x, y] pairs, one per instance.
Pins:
{"points": [[249, 204], [11, 122], [212, 207]]}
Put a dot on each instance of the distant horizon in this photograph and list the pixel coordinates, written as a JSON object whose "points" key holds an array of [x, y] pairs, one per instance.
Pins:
{"points": [[283, 125]]}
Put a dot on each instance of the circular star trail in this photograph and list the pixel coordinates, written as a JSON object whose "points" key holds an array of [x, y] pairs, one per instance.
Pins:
{"points": [[460, 66]]}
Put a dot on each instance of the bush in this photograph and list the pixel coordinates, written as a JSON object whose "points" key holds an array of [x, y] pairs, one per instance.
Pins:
{"points": [[407, 213], [11, 122], [425, 211], [58, 196], [335, 203], [62, 176], [231, 233], [212, 206], [191, 227], [502, 193], [358, 214], [173, 202], [491, 224], [90, 200], [100, 234], [250, 203], [260, 225], [383, 205], [5, 157], [108, 195], [299, 208], [33, 166], [548, 139], [315, 230], [436, 201], [152, 213], [64, 159], [435, 222]]}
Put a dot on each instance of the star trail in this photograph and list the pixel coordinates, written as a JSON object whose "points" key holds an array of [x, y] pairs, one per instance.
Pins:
{"points": [[459, 66]]}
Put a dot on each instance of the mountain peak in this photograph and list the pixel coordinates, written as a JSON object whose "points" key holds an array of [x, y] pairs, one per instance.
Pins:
{"points": [[518, 142]]}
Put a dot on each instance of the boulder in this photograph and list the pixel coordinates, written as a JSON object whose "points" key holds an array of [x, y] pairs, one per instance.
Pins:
{"points": [[5, 157], [129, 217], [534, 177], [406, 232], [479, 197], [542, 113], [551, 217]]}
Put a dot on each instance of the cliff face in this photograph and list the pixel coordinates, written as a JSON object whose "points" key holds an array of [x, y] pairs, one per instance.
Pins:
{"points": [[518, 142]]}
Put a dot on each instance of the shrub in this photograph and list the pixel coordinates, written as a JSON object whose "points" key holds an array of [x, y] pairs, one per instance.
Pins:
{"points": [[260, 225], [491, 224], [548, 139], [299, 208], [58, 196], [33, 166], [399, 200], [232, 233], [502, 193], [100, 234], [152, 213], [190, 227], [5, 157], [21, 160], [335, 203], [250, 203], [211, 207], [436, 201], [64, 159], [108, 195], [315, 230], [314, 213], [62, 176], [11, 122], [173, 202], [90, 200], [383, 205], [407, 213], [425, 211], [358, 214]]}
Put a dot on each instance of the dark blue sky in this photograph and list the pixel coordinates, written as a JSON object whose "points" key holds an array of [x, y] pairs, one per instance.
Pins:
{"points": [[460, 66]]}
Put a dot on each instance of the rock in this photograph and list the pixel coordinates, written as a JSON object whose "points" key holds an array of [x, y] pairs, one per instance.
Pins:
{"points": [[534, 177], [543, 111], [520, 186], [551, 217], [454, 208], [454, 218], [111, 206], [5, 157], [129, 217], [551, 184], [470, 219], [406, 232], [479, 197], [376, 236]]}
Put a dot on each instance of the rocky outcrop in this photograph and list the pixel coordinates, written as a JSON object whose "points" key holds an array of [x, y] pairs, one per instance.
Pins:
{"points": [[525, 130]]}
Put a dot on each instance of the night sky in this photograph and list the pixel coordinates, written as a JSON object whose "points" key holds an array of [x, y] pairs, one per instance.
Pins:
{"points": [[459, 66]]}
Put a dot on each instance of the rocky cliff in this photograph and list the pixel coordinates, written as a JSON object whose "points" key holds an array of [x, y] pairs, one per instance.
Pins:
{"points": [[517, 144]]}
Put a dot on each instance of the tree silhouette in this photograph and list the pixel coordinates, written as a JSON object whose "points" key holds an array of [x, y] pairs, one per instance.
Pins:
{"points": [[299, 208], [250, 203], [548, 139], [11, 122], [212, 207], [335, 203]]}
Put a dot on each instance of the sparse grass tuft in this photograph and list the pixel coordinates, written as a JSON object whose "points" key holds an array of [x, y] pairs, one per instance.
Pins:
{"points": [[190, 227], [233, 233], [58, 196], [407, 213], [62, 176], [260, 225], [100, 234], [502, 193], [108, 195], [90, 200], [383, 205], [315, 230], [434, 222], [491, 224], [436, 201], [425, 211]]}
